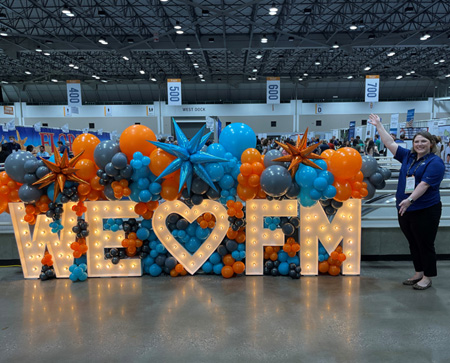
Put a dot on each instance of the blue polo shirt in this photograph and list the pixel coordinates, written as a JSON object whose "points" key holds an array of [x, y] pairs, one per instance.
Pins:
{"points": [[429, 169]]}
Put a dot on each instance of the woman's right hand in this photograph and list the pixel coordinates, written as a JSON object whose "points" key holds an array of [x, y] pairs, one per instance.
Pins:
{"points": [[374, 120]]}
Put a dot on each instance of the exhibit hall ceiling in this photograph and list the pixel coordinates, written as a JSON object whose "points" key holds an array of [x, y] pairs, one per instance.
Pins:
{"points": [[124, 50]]}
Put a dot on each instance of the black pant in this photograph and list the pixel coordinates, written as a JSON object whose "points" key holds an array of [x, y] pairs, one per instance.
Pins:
{"points": [[420, 228]]}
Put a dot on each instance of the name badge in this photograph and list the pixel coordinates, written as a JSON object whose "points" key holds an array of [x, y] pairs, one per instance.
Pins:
{"points": [[410, 184]]}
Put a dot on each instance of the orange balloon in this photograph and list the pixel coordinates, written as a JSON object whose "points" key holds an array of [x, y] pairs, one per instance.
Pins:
{"points": [[179, 268], [359, 177], [246, 169], [93, 195], [84, 189], [342, 257], [228, 260], [135, 138], [231, 234], [323, 266], [334, 255], [242, 180], [334, 270], [251, 156], [343, 191], [238, 267], [140, 208], [253, 180], [246, 193], [160, 160], [356, 194], [227, 272], [364, 192], [86, 169], [169, 189], [95, 183], [345, 163], [86, 143], [327, 153], [4, 178], [257, 168]]}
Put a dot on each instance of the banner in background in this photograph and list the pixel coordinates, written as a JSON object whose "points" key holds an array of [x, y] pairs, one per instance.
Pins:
{"points": [[219, 127], [174, 92], [26, 135], [150, 110], [393, 129], [444, 133], [74, 93], [8, 110], [351, 130], [410, 117], [372, 89], [273, 90], [319, 109]]}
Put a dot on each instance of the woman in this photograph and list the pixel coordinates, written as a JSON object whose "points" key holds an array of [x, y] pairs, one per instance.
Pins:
{"points": [[372, 149], [418, 200]]}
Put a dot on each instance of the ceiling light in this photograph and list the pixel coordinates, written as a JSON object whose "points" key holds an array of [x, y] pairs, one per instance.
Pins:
{"points": [[3, 33], [71, 65], [300, 79], [259, 55], [353, 27], [367, 68], [164, 1], [249, 78], [399, 77], [38, 49], [253, 78], [126, 58], [203, 80], [441, 60], [408, 73], [188, 47], [70, 15], [46, 53], [177, 25], [255, 70], [335, 45], [4, 82], [66, 10], [76, 67], [54, 80], [273, 9], [190, 52], [390, 54], [94, 76], [97, 77], [142, 71], [349, 77], [412, 72], [317, 63], [272, 13], [153, 79], [102, 41], [436, 62], [179, 32], [335, 96], [264, 39], [104, 81], [27, 72], [205, 12], [447, 76], [305, 74]]}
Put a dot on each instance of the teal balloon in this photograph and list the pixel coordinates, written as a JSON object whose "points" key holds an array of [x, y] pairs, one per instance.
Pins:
{"points": [[305, 176], [216, 150], [236, 138], [330, 192], [321, 163], [327, 175], [315, 194], [215, 171], [305, 199], [320, 183]]}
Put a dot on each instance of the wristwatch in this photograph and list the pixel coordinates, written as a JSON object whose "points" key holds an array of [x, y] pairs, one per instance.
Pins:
{"points": [[411, 200]]}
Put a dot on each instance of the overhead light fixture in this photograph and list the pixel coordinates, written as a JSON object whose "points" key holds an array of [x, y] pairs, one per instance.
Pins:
{"points": [[65, 10], [190, 52], [3, 33], [179, 32], [300, 79], [399, 77], [97, 77], [103, 41], [272, 13], [441, 60], [305, 74], [259, 55], [390, 54], [195, 65], [253, 78], [273, 9], [317, 63], [142, 71], [412, 72], [353, 27], [94, 76], [76, 67], [153, 79], [38, 49], [367, 68], [27, 72], [188, 47], [205, 12], [177, 25], [46, 53], [349, 77], [264, 39], [71, 15], [408, 73], [5, 82], [255, 70], [436, 62], [425, 36], [54, 80], [335, 96], [203, 80], [335, 45], [164, 1], [126, 58], [447, 76], [71, 65], [104, 81]]}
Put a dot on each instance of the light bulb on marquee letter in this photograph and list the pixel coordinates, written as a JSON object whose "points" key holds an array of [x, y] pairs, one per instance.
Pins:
{"points": [[191, 262], [258, 236], [96, 212], [32, 247], [345, 227]]}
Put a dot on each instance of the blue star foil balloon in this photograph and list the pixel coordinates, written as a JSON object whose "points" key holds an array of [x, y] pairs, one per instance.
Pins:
{"points": [[189, 157]]}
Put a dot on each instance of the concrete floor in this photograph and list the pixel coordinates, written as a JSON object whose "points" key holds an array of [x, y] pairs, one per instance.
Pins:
{"points": [[368, 318]]}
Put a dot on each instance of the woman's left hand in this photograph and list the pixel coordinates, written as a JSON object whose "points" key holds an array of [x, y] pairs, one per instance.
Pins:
{"points": [[404, 205]]}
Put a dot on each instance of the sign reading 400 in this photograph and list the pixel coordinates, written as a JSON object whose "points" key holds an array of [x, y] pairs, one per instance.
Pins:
{"points": [[74, 93], [174, 92]]}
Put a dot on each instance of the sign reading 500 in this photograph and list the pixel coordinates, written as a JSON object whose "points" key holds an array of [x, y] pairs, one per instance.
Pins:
{"points": [[174, 92]]}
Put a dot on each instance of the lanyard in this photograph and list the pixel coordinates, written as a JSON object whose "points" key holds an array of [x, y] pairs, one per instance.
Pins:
{"points": [[419, 164]]}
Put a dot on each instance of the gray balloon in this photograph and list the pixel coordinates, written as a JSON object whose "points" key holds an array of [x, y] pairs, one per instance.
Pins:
{"points": [[293, 191], [119, 161], [369, 165], [29, 193], [370, 189], [104, 152], [126, 172], [42, 171], [376, 178], [380, 185], [270, 155], [30, 166], [275, 181], [386, 173], [15, 165], [111, 170], [109, 192], [30, 178]]}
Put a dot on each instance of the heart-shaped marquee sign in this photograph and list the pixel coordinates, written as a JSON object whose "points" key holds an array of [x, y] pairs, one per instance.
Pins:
{"points": [[191, 262]]}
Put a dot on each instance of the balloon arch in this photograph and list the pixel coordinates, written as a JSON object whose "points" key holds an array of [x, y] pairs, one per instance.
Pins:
{"points": [[142, 206]]}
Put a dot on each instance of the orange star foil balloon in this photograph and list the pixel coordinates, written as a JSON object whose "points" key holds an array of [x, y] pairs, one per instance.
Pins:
{"points": [[300, 153], [60, 171]]}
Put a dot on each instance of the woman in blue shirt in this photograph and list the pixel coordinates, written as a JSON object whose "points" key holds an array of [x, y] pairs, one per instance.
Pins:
{"points": [[418, 200]]}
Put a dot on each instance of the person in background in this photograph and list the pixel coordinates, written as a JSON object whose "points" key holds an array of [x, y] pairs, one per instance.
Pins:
{"points": [[265, 146], [3, 154], [377, 142], [323, 146], [418, 200], [356, 145], [42, 153], [331, 144], [11, 146], [62, 148], [447, 153], [372, 149]]}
